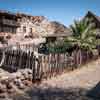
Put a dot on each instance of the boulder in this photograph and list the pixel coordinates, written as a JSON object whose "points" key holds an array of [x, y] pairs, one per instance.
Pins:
{"points": [[2, 88], [4, 79], [11, 91], [29, 71], [9, 85], [18, 75], [19, 83], [30, 77], [22, 78], [3, 96], [27, 83], [21, 86], [25, 74]]}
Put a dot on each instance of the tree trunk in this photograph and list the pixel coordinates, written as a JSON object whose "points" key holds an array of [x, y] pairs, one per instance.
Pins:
{"points": [[80, 52], [79, 57]]}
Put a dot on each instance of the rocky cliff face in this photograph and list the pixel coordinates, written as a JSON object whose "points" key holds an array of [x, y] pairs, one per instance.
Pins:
{"points": [[51, 27]]}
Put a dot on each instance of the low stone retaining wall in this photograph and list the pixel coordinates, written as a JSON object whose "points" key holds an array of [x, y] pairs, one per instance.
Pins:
{"points": [[12, 83]]}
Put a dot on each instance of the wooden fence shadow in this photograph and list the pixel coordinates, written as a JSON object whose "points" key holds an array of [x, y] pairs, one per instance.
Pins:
{"points": [[53, 93]]}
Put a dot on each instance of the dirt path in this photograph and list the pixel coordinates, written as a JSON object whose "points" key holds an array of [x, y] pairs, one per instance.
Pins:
{"points": [[69, 86], [86, 77]]}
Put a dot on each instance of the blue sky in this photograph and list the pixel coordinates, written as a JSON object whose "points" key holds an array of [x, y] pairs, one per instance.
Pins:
{"points": [[64, 11]]}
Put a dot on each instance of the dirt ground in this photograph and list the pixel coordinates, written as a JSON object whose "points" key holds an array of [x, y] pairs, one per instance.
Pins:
{"points": [[69, 86]]}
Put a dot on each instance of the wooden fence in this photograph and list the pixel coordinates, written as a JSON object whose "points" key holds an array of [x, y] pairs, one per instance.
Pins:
{"points": [[51, 65], [17, 59], [17, 56], [44, 66]]}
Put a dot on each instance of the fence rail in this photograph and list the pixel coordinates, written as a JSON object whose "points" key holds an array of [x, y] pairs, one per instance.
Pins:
{"points": [[45, 66]]}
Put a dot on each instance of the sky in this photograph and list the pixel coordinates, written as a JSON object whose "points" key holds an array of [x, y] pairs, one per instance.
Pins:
{"points": [[64, 11]]}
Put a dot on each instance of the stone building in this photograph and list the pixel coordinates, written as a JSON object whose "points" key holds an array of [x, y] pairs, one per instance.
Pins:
{"points": [[18, 23], [8, 22], [24, 28], [28, 25], [17, 27]]}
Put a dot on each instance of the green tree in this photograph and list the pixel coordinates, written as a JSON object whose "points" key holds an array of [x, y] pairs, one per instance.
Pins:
{"points": [[84, 36]]}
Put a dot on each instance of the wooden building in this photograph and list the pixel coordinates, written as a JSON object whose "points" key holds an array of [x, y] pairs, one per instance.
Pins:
{"points": [[8, 22], [18, 23], [95, 18]]}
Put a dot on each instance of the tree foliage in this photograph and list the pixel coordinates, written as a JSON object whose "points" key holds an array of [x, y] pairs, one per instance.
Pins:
{"points": [[58, 47], [84, 35]]}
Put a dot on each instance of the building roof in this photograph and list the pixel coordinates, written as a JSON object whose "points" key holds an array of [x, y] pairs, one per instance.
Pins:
{"points": [[34, 18], [89, 13], [21, 15], [96, 20], [7, 13], [56, 35]]}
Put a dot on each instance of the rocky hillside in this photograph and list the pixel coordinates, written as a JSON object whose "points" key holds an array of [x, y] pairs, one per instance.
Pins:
{"points": [[51, 27]]}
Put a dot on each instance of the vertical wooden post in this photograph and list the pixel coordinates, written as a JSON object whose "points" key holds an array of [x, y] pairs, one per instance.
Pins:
{"points": [[33, 68]]}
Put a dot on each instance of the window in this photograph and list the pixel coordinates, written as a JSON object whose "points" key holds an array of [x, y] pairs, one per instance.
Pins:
{"points": [[0, 28], [30, 30], [13, 30], [24, 29]]}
